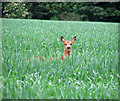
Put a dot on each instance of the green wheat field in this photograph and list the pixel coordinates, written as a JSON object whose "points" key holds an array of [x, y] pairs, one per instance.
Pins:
{"points": [[90, 73]]}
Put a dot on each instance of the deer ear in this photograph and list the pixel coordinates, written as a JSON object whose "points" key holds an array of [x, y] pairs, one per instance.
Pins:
{"points": [[62, 39], [73, 39]]}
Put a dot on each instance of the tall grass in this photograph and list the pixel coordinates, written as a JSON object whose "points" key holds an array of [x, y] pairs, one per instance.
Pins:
{"points": [[1, 84], [90, 73]]}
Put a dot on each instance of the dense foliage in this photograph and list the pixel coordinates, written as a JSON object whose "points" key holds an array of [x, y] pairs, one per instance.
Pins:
{"points": [[15, 10], [76, 11]]}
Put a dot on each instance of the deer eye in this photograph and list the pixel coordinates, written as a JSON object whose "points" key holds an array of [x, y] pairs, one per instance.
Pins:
{"points": [[65, 44], [70, 44]]}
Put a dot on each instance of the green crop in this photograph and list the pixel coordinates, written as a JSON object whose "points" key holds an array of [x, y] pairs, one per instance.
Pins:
{"points": [[90, 73]]}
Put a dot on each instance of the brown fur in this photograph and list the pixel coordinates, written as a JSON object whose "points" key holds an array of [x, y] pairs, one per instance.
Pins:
{"points": [[66, 45], [67, 49]]}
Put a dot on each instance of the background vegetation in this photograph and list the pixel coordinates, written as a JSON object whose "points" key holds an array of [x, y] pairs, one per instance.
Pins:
{"points": [[76, 11]]}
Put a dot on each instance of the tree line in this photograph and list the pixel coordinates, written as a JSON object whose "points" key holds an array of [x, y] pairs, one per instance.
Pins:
{"points": [[71, 11]]}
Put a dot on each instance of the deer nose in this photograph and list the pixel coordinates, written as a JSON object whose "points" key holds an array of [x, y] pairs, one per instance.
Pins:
{"points": [[68, 47]]}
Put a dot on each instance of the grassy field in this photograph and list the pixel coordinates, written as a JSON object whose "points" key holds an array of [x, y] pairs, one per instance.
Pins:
{"points": [[90, 73]]}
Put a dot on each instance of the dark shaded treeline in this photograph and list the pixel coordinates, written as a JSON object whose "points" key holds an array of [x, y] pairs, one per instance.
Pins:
{"points": [[75, 11]]}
